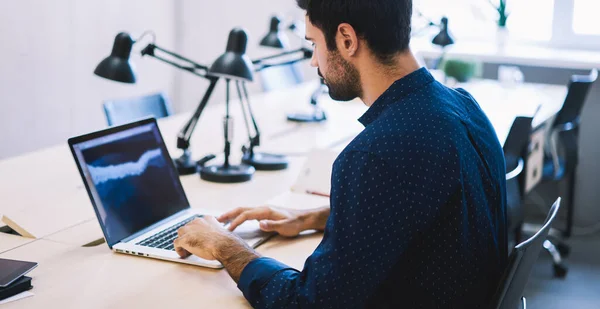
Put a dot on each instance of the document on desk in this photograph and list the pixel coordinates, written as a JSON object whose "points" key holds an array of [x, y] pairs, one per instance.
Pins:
{"points": [[315, 175], [313, 186]]}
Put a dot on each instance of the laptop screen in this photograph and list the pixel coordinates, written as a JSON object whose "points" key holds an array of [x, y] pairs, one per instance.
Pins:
{"points": [[130, 178]]}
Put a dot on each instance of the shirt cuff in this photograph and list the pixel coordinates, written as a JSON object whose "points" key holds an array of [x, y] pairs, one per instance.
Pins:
{"points": [[257, 274]]}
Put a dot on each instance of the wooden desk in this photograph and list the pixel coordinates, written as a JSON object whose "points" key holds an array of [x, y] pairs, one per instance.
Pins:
{"points": [[75, 277], [59, 201], [9, 242], [44, 190]]}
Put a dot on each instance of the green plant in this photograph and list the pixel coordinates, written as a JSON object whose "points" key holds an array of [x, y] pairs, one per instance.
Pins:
{"points": [[461, 70], [501, 10]]}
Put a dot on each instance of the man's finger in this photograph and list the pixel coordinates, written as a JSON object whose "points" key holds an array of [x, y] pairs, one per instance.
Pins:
{"points": [[178, 244], [228, 216], [252, 214], [181, 231], [272, 226]]}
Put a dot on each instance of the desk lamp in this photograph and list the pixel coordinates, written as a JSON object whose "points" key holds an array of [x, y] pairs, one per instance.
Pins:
{"points": [[275, 38], [232, 65], [117, 67], [235, 65]]}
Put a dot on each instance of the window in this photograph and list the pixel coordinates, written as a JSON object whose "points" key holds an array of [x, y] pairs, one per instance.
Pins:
{"points": [[568, 24], [529, 20], [585, 13]]}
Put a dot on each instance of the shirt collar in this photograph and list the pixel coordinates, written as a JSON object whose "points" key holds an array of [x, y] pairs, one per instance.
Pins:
{"points": [[395, 92]]}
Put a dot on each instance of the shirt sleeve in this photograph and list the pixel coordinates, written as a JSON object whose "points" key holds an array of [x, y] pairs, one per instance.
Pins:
{"points": [[373, 220]]}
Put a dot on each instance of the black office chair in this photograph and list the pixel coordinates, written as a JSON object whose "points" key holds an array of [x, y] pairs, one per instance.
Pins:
{"points": [[515, 148], [126, 110], [562, 163], [509, 294]]}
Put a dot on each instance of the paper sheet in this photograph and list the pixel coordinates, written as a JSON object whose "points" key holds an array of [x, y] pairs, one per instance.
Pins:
{"points": [[316, 173]]}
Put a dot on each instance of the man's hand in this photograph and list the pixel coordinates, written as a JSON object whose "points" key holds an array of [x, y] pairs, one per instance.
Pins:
{"points": [[207, 238], [286, 222], [201, 237]]}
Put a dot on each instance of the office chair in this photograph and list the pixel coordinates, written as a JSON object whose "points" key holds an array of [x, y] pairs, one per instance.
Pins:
{"points": [[509, 294], [515, 148], [560, 164], [565, 139], [126, 110]]}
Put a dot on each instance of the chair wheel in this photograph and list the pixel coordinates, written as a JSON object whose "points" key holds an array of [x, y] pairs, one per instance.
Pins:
{"points": [[560, 271], [563, 249]]}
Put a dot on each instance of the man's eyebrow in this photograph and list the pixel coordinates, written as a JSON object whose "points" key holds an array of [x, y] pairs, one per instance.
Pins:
{"points": [[308, 38]]}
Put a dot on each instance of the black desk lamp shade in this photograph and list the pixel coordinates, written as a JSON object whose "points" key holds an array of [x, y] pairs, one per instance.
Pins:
{"points": [[443, 38], [275, 38], [234, 63], [117, 66]]}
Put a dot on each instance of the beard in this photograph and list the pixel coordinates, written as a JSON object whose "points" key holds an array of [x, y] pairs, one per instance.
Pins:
{"points": [[343, 79]]}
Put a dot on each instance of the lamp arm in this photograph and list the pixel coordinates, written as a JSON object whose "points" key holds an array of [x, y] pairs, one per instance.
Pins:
{"points": [[266, 66], [247, 97], [247, 108], [306, 54], [183, 137], [193, 67]]}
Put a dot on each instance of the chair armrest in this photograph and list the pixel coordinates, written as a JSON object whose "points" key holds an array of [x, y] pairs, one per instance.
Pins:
{"points": [[516, 171]]}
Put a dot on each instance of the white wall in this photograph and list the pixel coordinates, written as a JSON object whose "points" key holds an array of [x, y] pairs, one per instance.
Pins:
{"points": [[203, 29], [49, 51]]}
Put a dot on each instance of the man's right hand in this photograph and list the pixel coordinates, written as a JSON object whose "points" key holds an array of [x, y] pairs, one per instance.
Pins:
{"points": [[286, 222]]}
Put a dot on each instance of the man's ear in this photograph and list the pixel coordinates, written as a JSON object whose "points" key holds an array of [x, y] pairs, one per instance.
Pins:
{"points": [[347, 40]]}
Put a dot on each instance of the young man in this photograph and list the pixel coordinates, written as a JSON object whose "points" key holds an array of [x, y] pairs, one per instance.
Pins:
{"points": [[417, 216]]}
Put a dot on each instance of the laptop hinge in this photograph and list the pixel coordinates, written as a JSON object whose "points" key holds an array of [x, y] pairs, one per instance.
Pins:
{"points": [[181, 213]]}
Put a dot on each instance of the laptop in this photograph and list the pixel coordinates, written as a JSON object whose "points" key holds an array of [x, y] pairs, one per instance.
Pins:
{"points": [[137, 194]]}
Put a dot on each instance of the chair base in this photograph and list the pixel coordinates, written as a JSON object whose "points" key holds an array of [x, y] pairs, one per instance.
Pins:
{"points": [[557, 250], [560, 270]]}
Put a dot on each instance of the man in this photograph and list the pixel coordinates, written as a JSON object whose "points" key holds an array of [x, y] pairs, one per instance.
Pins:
{"points": [[417, 216]]}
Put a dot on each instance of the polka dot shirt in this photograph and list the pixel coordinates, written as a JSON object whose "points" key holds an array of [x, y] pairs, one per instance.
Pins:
{"points": [[418, 212]]}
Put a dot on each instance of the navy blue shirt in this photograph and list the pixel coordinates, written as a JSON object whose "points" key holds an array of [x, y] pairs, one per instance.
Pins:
{"points": [[418, 212]]}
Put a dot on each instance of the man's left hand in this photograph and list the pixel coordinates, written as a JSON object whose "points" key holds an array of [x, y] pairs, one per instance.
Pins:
{"points": [[202, 237]]}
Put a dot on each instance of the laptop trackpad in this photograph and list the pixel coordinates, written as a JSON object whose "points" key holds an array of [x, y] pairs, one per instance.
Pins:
{"points": [[249, 230]]}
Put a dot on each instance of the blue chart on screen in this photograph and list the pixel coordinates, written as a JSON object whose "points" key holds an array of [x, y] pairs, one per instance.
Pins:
{"points": [[134, 182]]}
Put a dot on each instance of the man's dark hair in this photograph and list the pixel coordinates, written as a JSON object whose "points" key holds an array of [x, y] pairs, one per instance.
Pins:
{"points": [[383, 24]]}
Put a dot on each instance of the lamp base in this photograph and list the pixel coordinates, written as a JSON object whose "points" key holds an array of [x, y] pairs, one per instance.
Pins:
{"points": [[315, 117], [185, 165], [229, 174], [265, 161]]}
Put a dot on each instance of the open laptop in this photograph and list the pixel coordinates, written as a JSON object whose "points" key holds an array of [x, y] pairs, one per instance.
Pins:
{"points": [[136, 192]]}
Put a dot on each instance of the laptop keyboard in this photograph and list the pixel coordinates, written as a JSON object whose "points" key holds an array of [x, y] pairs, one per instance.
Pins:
{"points": [[164, 240]]}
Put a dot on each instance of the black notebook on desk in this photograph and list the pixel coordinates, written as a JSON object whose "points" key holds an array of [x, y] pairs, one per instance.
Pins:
{"points": [[20, 285]]}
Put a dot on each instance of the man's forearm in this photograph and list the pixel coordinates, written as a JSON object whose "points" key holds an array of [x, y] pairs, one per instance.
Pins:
{"points": [[235, 254], [316, 219]]}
